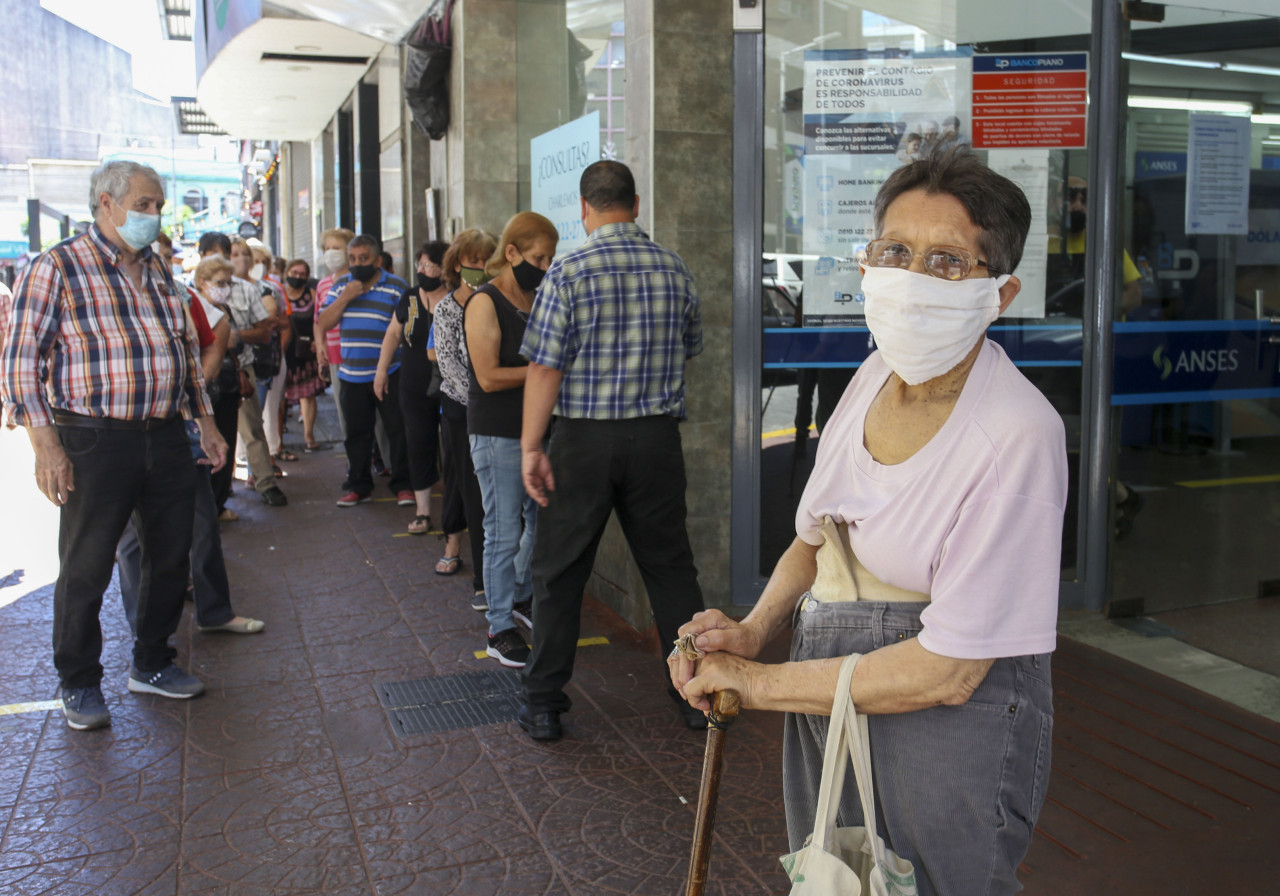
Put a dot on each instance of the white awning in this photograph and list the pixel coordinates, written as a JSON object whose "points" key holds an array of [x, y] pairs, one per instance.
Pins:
{"points": [[284, 78]]}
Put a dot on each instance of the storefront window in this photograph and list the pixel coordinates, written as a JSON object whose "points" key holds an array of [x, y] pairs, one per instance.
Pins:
{"points": [[570, 103], [1197, 371], [851, 93]]}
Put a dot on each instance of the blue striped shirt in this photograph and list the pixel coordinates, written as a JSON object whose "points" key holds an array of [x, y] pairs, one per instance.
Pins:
{"points": [[618, 316], [364, 323]]}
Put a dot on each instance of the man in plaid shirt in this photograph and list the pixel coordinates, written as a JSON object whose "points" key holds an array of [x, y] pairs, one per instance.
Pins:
{"points": [[611, 328], [100, 365]]}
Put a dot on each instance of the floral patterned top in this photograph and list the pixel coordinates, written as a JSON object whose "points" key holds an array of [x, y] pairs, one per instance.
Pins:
{"points": [[451, 349]]}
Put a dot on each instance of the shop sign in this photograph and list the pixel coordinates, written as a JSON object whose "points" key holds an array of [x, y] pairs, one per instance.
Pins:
{"points": [[557, 159], [1023, 100], [1172, 362]]}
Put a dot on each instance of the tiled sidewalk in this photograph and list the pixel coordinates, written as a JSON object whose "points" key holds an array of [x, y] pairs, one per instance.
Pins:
{"points": [[286, 777]]}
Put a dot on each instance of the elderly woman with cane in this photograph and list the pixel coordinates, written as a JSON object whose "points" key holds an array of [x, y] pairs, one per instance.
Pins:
{"points": [[927, 541]]}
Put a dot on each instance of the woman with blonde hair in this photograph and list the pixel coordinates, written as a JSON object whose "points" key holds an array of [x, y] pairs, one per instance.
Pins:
{"points": [[495, 319]]}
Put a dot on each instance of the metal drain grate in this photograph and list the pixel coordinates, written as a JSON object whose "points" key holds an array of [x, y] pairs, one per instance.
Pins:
{"points": [[451, 702]]}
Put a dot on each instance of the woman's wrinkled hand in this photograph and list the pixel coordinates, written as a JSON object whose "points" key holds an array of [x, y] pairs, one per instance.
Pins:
{"points": [[717, 672], [715, 634]]}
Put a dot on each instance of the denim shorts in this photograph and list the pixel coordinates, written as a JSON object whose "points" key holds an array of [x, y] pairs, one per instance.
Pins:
{"points": [[958, 788]]}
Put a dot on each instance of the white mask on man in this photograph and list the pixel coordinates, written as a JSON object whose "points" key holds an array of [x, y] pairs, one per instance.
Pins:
{"points": [[924, 326]]}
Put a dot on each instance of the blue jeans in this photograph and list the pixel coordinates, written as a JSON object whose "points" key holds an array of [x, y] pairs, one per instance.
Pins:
{"points": [[510, 516], [958, 788]]}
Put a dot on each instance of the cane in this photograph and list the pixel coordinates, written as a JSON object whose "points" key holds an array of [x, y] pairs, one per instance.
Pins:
{"points": [[724, 709]]}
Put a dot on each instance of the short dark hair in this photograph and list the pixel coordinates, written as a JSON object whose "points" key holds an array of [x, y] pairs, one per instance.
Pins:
{"points": [[434, 250], [212, 240], [995, 204], [364, 239], [608, 185]]}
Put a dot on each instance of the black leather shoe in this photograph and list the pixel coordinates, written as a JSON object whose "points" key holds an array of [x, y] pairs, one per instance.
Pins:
{"points": [[274, 497], [540, 725]]}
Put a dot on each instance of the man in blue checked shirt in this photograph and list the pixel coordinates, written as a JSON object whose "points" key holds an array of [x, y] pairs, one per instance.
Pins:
{"points": [[611, 327]]}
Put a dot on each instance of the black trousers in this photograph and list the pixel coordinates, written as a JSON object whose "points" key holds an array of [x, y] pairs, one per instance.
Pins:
{"points": [[359, 407], [226, 417], [633, 467], [421, 415], [461, 506], [118, 472]]}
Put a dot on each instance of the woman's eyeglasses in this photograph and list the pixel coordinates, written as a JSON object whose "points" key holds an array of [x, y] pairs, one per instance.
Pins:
{"points": [[943, 262]]}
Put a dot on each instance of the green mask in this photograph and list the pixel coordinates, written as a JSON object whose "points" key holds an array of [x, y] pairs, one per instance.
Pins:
{"points": [[474, 277]]}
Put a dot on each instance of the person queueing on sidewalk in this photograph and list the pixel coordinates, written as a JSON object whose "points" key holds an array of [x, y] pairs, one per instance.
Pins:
{"points": [[211, 588], [927, 541], [304, 382], [216, 248], [409, 334], [98, 367], [363, 304], [272, 397], [462, 508], [328, 343], [494, 325], [257, 325], [618, 303]]}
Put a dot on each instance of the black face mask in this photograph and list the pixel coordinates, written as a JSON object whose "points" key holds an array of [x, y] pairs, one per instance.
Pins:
{"points": [[527, 275], [1075, 220], [364, 272], [428, 284], [296, 282]]}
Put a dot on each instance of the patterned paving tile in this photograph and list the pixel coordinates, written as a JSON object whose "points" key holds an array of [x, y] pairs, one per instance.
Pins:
{"points": [[25, 873]]}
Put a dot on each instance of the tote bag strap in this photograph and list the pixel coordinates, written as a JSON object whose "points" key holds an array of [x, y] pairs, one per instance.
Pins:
{"points": [[858, 736], [833, 760]]}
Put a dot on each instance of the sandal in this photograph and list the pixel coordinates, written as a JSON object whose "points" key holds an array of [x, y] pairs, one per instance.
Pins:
{"points": [[419, 525], [286, 455], [447, 566], [228, 515]]}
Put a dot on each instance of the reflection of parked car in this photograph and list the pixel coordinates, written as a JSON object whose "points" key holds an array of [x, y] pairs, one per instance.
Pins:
{"points": [[786, 272], [776, 307]]}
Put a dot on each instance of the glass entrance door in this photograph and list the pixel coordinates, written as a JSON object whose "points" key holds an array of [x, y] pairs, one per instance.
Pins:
{"points": [[1197, 361]]}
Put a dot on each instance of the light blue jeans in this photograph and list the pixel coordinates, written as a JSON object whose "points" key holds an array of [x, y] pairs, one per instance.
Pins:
{"points": [[958, 788], [510, 517]]}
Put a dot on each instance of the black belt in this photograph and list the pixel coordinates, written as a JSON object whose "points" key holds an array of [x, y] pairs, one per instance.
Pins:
{"points": [[67, 418]]}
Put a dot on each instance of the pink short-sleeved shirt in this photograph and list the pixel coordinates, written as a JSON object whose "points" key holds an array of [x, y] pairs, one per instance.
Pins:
{"points": [[332, 338], [973, 519]]}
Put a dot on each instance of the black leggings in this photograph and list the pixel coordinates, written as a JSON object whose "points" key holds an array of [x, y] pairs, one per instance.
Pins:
{"points": [[462, 507], [421, 415]]}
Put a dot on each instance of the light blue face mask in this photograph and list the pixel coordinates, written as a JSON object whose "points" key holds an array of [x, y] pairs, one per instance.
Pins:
{"points": [[139, 230]]}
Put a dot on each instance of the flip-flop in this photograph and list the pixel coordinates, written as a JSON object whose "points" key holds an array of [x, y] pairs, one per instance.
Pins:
{"points": [[419, 525], [228, 515], [447, 566], [286, 455]]}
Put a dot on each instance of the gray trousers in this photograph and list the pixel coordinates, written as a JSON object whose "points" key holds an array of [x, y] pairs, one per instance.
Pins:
{"points": [[255, 440], [958, 788], [208, 570]]}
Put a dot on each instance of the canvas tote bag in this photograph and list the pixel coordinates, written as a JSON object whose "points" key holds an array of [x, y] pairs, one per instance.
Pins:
{"points": [[848, 861]]}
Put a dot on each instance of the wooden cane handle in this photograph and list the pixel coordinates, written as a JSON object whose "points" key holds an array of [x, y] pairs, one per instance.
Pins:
{"points": [[724, 708]]}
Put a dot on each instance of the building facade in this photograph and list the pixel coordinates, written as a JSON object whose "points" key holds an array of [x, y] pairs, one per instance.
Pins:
{"points": [[1142, 133]]}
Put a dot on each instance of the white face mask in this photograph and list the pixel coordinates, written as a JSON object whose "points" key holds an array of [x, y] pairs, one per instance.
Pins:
{"points": [[256, 272], [335, 260], [924, 326], [218, 294]]}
